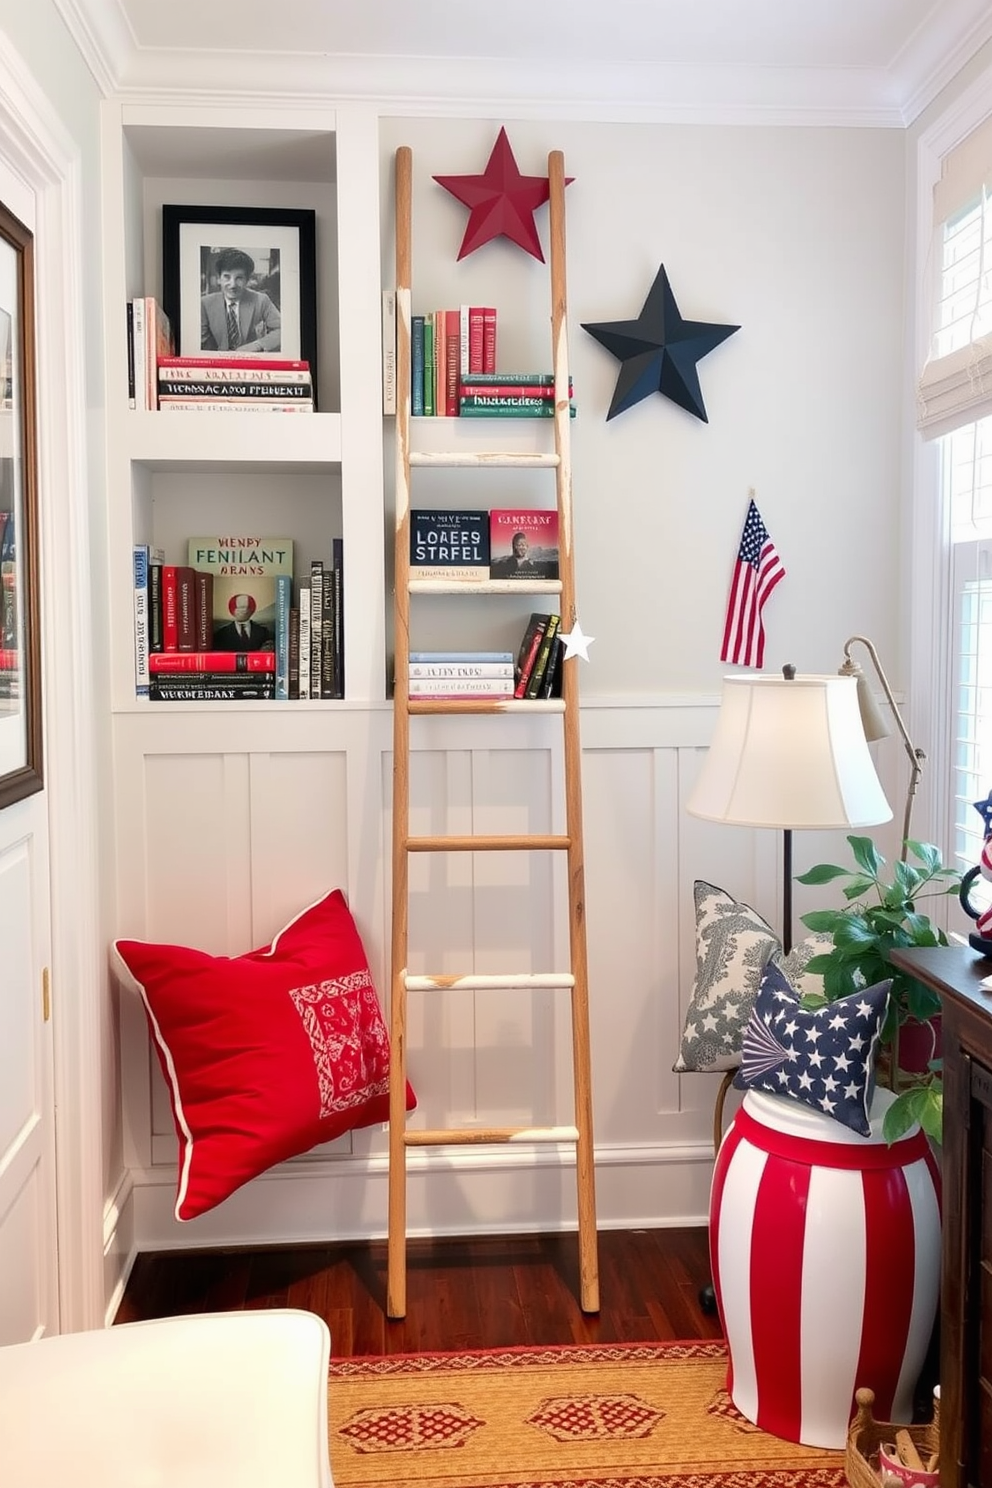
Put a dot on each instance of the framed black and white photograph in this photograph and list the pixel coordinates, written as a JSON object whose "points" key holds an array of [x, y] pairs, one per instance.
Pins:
{"points": [[20, 614], [241, 281]]}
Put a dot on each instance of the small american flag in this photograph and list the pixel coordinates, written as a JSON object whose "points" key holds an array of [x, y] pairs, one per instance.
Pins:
{"points": [[757, 570]]}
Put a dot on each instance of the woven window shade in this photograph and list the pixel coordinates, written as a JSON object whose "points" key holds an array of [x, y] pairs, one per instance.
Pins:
{"points": [[955, 387]]}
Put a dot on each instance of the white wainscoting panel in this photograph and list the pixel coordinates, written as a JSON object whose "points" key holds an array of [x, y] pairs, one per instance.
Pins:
{"points": [[219, 848]]}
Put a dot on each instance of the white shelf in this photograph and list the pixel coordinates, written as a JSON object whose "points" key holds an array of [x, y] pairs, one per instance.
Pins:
{"points": [[253, 439]]}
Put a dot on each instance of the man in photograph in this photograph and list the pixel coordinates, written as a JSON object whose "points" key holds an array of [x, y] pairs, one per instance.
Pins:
{"points": [[234, 318]]}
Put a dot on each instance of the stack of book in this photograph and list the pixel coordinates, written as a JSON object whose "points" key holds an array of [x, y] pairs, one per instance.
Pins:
{"points": [[459, 546], [509, 395], [226, 624], [461, 674], [537, 673], [226, 383], [446, 346]]}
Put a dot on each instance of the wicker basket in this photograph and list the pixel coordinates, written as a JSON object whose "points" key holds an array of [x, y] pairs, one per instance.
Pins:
{"points": [[865, 1435]]}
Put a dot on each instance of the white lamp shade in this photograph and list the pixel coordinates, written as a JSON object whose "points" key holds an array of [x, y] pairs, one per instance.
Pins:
{"points": [[789, 753]]}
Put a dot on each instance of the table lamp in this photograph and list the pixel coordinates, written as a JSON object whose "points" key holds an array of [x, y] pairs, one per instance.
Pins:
{"points": [[789, 752]]}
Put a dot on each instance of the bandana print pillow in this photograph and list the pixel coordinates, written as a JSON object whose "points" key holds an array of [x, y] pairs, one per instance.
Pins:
{"points": [[267, 1054]]}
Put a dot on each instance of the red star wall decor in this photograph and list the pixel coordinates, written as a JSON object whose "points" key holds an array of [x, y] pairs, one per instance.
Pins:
{"points": [[501, 201]]}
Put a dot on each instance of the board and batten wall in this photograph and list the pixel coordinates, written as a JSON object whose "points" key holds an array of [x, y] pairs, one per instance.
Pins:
{"points": [[796, 234]]}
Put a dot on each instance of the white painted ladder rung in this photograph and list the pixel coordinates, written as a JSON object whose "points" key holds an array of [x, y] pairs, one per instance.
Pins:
{"points": [[499, 459], [482, 1135], [479, 982]]}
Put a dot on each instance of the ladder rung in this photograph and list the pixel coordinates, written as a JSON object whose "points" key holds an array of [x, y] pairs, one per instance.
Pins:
{"points": [[496, 458], [526, 842], [479, 982], [486, 705], [484, 586], [480, 1135]]}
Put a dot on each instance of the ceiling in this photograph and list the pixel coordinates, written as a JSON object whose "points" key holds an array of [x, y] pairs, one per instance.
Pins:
{"points": [[858, 61]]}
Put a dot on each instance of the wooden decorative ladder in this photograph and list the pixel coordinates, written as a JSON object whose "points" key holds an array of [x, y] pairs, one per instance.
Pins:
{"points": [[575, 980]]}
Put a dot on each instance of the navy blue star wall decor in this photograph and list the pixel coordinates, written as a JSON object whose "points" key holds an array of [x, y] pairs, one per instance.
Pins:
{"points": [[659, 351]]}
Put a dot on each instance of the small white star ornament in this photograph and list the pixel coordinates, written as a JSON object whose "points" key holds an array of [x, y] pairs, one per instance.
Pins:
{"points": [[575, 643]]}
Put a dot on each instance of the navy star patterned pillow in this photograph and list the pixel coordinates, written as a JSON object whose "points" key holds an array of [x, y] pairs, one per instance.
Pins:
{"points": [[824, 1057]]}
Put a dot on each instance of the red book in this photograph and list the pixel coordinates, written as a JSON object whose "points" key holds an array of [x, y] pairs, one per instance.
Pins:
{"points": [[530, 644], [451, 364], [204, 589], [170, 608], [476, 317], [213, 661], [508, 390], [488, 339], [186, 608], [285, 364]]}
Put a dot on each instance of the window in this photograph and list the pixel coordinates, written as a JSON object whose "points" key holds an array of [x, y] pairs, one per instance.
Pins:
{"points": [[955, 410]]}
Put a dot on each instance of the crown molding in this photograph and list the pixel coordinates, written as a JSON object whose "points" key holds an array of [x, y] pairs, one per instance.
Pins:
{"points": [[937, 53], [876, 97]]}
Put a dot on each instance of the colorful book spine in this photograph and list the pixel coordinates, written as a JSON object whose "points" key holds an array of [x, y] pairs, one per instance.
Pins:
{"points": [[186, 608], [294, 653], [476, 337], [186, 662], [337, 562], [203, 586], [170, 612], [461, 669], [452, 351], [156, 557], [440, 657], [316, 625], [388, 351], [187, 387], [535, 410], [531, 390], [138, 349], [284, 598], [488, 338], [232, 364], [129, 325], [159, 342], [461, 687], [536, 678], [428, 366], [529, 646], [231, 405], [416, 365], [141, 620], [236, 376], [222, 689], [551, 683], [303, 604]]}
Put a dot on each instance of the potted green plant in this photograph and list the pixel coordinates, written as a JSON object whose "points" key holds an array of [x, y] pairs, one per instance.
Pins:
{"points": [[882, 914]]}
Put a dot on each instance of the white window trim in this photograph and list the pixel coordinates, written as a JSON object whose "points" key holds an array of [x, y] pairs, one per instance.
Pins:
{"points": [[926, 604]]}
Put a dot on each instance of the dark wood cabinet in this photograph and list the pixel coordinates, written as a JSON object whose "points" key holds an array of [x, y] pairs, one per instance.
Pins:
{"points": [[957, 973]]}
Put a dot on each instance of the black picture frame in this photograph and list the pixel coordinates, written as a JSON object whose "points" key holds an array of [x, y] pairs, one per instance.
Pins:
{"points": [[285, 238], [21, 772]]}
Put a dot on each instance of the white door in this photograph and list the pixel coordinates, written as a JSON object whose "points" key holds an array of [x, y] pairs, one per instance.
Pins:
{"points": [[28, 1231]]}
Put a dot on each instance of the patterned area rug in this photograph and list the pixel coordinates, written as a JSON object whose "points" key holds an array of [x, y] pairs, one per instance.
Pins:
{"points": [[583, 1416]]}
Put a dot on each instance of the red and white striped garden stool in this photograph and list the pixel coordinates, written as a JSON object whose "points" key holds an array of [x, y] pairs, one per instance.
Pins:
{"points": [[825, 1249]]}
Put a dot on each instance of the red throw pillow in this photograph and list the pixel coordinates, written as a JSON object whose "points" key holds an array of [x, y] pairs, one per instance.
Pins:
{"points": [[267, 1054]]}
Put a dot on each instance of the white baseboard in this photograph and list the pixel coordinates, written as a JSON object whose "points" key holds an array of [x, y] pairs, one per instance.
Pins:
{"points": [[472, 1193]]}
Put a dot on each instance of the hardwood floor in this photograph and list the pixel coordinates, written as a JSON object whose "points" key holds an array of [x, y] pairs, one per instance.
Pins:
{"points": [[461, 1294]]}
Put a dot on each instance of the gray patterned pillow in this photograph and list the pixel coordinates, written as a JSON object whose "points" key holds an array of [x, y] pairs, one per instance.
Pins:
{"points": [[733, 946]]}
